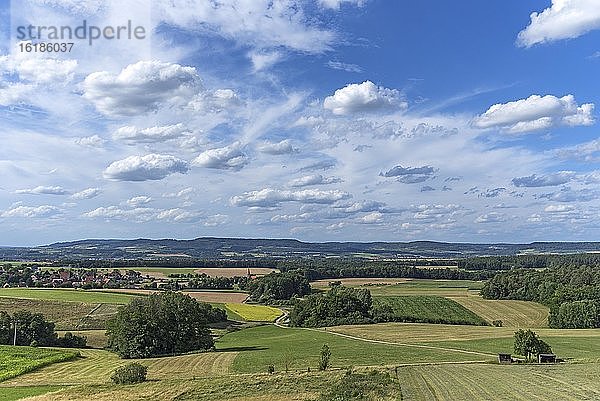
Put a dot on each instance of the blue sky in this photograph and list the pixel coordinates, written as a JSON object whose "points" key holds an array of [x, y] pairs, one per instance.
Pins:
{"points": [[320, 120]]}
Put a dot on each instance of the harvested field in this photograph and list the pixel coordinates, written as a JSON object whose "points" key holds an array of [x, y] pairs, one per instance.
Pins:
{"points": [[66, 315], [524, 314], [204, 296], [419, 332], [218, 296], [96, 366], [500, 382]]}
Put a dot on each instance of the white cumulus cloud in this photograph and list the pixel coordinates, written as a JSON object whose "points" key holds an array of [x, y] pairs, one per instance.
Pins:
{"points": [[565, 19], [230, 157], [141, 87], [143, 168], [278, 148], [269, 197], [151, 135], [313, 179], [535, 113], [361, 98]]}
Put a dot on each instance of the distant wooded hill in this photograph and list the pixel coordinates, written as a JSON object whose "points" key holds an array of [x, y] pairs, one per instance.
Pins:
{"points": [[239, 248]]}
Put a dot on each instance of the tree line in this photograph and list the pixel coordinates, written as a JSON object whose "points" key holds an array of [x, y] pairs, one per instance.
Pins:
{"points": [[495, 263], [322, 269], [571, 292]]}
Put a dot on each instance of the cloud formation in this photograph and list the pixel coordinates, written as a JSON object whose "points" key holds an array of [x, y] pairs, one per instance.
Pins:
{"points": [[363, 98], [151, 135], [336, 4], [284, 147], [410, 175], [269, 197], [88, 193], [536, 113], [338, 65], [43, 190], [587, 152], [313, 179], [548, 180], [141, 87], [565, 19], [230, 157], [262, 24], [31, 211], [492, 217], [144, 168]]}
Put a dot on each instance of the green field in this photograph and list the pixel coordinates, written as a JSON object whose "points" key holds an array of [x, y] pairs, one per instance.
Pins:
{"points": [[18, 393], [260, 346], [15, 361], [66, 295], [429, 309], [254, 313], [444, 288]]}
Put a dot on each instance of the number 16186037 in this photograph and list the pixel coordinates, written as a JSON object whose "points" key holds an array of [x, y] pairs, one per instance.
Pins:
{"points": [[44, 47]]}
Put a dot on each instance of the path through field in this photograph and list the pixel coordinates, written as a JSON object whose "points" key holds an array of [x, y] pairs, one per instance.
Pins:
{"points": [[335, 331]]}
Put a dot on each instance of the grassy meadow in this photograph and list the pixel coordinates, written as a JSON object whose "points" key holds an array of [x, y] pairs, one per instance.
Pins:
{"points": [[261, 346], [18, 393]]}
